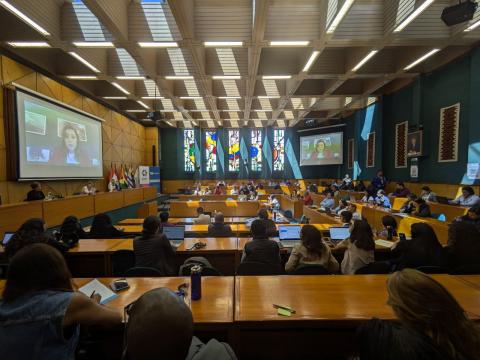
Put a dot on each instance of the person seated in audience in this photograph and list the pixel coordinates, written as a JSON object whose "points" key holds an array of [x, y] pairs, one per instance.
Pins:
{"points": [[219, 228], [253, 196], [250, 187], [463, 247], [353, 209], [346, 182], [359, 247], [409, 206], [382, 200], [428, 195], [198, 191], [218, 190], [201, 217], [422, 209], [71, 231], [89, 189], [359, 186], [431, 323], [36, 193], [152, 249], [164, 215], [328, 202], [30, 232], [342, 206], [400, 190], [334, 190], [160, 326], [102, 228], [277, 186], [379, 182], [367, 197], [311, 251], [40, 312], [313, 188], [269, 223], [259, 187], [472, 216], [207, 191], [234, 190], [261, 249], [423, 249], [468, 197], [389, 228], [346, 218], [274, 203], [307, 199]]}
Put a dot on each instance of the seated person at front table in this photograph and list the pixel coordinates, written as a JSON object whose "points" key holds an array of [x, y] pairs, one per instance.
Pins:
{"points": [[219, 228], [311, 251], [472, 216], [102, 228], [422, 209], [463, 247], [389, 228], [218, 190], [36, 193], [400, 190], [353, 209], [431, 324], [164, 215], [269, 223], [261, 249], [234, 190], [427, 194], [198, 190], [152, 249], [162, 314], [409, 206], [380, 181], [342, 206], [359, 247], [71, 231], [359, 186], [201, 217], [274, 203], [346, 218], [468, 197], [89, 189], [307, 199], [328, 202], [382, 200], [423, 250], [40, 312]]}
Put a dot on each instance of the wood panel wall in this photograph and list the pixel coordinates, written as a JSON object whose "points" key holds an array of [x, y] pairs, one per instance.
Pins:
{"points": [[124, 141]]}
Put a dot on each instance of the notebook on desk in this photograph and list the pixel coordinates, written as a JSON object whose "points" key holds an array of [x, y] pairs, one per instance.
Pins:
{"points": [[175, 234], [289, 236]]}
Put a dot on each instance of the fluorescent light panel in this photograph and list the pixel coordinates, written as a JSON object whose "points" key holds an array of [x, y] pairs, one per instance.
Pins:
{"points": [[194, 122], [222, 43], [311, 60], [115, 97], [340, 15], [121, 88], [422, 58], [226, 77], [268, 97], [135, 111], [364, 60], [93, 44], [24, 17], [230, 97], [152, 97], [289, 43], [131, 77], [29, 44], [413, 15], [143, 104], [169, 123], [190, 97], [84, 62], [82, 77], [276, 77], [473, 26], [179, 77], [157, 44]]}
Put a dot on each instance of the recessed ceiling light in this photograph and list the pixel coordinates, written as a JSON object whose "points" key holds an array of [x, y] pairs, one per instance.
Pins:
{"points": [[126, 77], [121, 88], [82, 77], [190, 97], [268, 96], [24, 17], [143, 104], [289, 43], [115, 97], [152, 97], [340, 15], [179, 77], [83, 61], [169, 123], [222, 43], [157, 44], [229, 97], [135, 111], [261, 110], [420, 59], [226, 77], [29, 44], [94, 44], [413, 15], [364, 60], [276, 77], [311, 60]]}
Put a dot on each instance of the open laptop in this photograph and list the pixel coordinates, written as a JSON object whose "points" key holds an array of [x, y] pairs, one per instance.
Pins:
{"points": [[442, 200], [339, 233], [289, 235], [6, 238], [175, 234]]}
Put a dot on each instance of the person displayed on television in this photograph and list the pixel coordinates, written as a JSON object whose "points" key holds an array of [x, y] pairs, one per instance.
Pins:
{"points": [[36, 193], [320, 151], [89, 189], [69, 151]]}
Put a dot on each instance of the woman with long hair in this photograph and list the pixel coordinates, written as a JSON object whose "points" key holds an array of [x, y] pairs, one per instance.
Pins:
{"points": [[71, 231], [69, 151], [463, 247], [102, 228], [311, 251]]}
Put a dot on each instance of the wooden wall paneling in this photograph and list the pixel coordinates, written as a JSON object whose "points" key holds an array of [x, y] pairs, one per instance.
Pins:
{"points": [[49, 87], [55, 211], [14, 215], [108, 201], [149, 193], [132, 196]]}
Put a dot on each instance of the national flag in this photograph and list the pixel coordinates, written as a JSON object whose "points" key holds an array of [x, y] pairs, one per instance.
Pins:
{"points": [[115, 178], [122, 180], [129, 175]]}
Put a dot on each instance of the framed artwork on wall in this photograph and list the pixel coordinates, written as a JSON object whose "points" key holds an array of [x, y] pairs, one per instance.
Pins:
{"points": [[350, 153], [371, 150], [401, 131], [415, 144], [448, 137]]}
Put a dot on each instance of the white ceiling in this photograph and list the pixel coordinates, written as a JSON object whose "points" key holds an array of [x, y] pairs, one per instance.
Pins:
{"points": [[328, 89]]}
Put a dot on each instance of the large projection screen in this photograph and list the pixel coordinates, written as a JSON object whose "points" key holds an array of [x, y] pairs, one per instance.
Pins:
{"points": [[321, 149], [55, 142]]}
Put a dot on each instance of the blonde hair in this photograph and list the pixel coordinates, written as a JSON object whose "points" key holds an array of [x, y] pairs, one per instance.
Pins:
{"points": [[423, 304]]}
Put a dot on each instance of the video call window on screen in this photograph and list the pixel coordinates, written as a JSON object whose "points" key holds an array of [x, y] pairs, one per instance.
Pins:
{"points": [[321, 149]]}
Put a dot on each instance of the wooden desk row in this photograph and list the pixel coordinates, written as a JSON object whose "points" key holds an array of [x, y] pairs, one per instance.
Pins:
{"points": [[191, 220], [182, 197], [228, 208], [328, 309]]}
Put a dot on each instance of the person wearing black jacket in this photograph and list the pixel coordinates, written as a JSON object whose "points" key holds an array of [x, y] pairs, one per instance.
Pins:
{"points": [[36, 193], [219, 228], [102, 228], [422, 209], [269, 223], [71, 231], [152, 248], [261, 249], [463, 247]]}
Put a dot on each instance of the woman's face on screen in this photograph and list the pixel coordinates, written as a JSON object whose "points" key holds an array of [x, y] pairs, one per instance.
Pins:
{"points": [[71, 139], [320, 146]]}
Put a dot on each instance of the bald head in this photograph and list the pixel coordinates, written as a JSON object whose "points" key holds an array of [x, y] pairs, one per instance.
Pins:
{"points": [[160, 326]]}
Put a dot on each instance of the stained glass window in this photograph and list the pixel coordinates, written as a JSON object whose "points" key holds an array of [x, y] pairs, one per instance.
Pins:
{"points": [[278, 150], [211, 151], [256, 150], [189, 150], [233, 150]]}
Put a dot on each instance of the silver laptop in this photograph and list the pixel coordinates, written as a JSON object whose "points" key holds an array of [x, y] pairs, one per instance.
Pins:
{"points": [[289, 236], [175, 234], [338, 234]]}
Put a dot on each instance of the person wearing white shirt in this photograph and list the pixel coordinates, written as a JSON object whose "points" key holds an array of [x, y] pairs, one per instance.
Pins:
{"points": [[202, 218], [234, 190], [274, 202], [382, 200], [468, 197], [428, 195], [367, 198], [89, 189], [328, 202], [353, 209], [347, 179]]}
